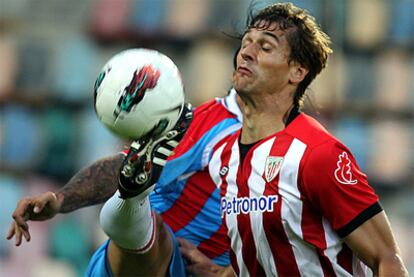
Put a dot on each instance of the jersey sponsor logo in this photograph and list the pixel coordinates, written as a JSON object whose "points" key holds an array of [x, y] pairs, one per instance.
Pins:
{"points": [[272, 167], [245, 205], [343, 172]]}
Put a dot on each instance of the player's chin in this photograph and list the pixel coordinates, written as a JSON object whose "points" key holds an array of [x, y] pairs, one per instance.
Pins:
{"points": [[240, 84]]}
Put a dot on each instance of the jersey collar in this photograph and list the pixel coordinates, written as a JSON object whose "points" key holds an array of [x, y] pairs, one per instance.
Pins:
{"points": [[231, 104]]}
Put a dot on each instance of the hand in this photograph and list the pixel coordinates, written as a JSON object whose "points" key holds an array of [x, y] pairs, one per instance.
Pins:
{"points": [[199, 264], [146, 158], [37, 208]]}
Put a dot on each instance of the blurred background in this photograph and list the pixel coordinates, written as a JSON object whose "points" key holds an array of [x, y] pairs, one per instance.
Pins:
{"points": [[51, 51]]}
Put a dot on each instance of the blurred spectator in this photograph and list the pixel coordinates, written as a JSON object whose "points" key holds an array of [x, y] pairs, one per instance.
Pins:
{"points": [[8, 67]]}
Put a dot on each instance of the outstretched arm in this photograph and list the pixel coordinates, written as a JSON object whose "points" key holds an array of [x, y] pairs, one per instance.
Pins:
{"points": [[91, 185]]}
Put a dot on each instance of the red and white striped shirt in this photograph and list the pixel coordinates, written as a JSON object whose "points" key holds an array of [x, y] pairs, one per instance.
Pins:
{"points": [[287, 205]]}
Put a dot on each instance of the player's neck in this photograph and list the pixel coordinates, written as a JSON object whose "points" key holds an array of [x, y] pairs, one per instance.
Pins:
{"points": [[264, 117]]}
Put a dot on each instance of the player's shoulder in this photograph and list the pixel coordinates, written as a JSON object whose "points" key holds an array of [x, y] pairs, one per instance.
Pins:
{"points": [[321, 146], [207, 107], [216, 114], [212, 121], [212, 109], [311, 132]]}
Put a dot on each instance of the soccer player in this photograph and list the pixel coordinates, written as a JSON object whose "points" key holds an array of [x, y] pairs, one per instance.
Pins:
{"points": [[293, 199], [188, 201]]}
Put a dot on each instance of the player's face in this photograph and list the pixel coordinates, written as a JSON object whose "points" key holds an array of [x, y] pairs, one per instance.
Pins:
{"points": [[262, 62]]}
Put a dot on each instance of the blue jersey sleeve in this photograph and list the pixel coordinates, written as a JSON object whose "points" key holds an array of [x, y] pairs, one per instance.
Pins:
{"points": [[195, 157]]}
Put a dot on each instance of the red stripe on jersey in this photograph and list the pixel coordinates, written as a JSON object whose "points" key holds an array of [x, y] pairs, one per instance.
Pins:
{"points": [[345, 258], [196, 195], [243, 220], [217, 240], [192, 193], [325, 264], [272, 222], [314, 233], [233, 262]]}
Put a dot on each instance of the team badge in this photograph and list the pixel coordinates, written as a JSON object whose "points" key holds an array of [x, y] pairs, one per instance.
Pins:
{"points": [[343, 172], [272, 167]]}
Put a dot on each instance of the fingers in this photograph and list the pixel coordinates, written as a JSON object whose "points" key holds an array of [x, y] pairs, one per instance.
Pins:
{"points": [[26, 209], [26, 234], [11, 231], [202, 270], [191, 270], [186, 244], [30, 208], [20, 214], [190, 252], [18, 233], [186, 249]]}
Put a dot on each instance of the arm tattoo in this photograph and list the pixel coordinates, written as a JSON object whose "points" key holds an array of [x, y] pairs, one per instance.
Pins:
{"points": [[92, 185]]}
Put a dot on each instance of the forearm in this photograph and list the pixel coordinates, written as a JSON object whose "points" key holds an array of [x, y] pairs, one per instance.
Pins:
{"points": [[392, 266], [375, 245], [91, 185]]}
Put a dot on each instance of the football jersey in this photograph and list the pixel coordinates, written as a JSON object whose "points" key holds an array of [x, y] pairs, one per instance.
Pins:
{"points": [[185, 196], [288, 203]]}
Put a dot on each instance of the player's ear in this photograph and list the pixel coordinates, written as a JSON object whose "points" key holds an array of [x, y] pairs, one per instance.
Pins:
{"points": [[297, 73]]}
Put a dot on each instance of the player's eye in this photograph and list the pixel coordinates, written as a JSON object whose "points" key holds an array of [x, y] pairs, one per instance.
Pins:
{"points": [[267, 47]]}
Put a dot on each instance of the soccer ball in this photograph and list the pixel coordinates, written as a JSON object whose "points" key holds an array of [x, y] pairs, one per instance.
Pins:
{"points": [[139, 92]]}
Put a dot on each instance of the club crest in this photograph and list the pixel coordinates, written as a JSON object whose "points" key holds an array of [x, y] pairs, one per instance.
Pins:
{"points": [[272, 167]]}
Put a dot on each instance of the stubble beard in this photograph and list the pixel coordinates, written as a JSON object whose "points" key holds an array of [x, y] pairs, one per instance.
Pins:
{"points": [[243, 88], [246, 97]]}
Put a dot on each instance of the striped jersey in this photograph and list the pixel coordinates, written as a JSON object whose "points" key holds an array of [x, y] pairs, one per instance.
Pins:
{"points": [[185, 196], [290, 200]]}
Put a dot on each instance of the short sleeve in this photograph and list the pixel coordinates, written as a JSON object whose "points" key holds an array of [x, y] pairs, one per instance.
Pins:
{"points": [[337, 188]]}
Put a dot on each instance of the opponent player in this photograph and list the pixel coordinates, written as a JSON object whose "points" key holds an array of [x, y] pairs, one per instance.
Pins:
{"points": [[293, 199], [189, 204]]}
